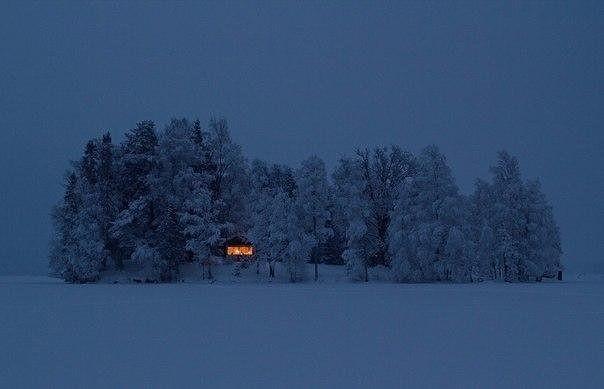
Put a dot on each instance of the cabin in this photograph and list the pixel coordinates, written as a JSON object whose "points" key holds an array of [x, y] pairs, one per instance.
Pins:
{"points": [[239, 249]]}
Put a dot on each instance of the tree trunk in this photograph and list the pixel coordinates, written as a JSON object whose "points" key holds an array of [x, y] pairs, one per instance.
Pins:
{"points": [[315, 250], [210, 276], [271, 271], [119, 258], [366, 274]]}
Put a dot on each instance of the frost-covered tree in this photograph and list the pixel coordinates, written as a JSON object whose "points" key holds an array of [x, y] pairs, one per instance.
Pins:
{"points": [[312, 207], [270, 177], [200, 228], [427, 234], [353, 208], [542, 235], [273, 188], [297, 255], [77, 249], [138, 157], [198, 213], [161, 198], [277, 231], [169, 243], [382, 175], [90, 254], [365, 187], [187, 224], [137, 161], [508, 219], [480, 213], [65, 217], [171, 188], [155, 200], [336, 242], [229, 180], [87, 255], [485, 257], [277, 235], [152, 219], [513, 228], [108, 197], [259, 232]]}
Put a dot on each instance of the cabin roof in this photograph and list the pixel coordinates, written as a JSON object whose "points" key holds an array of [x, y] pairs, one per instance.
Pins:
{"points": [[238, 241]]}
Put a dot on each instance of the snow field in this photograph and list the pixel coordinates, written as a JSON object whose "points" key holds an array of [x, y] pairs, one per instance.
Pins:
{"points": [[333, 334]]}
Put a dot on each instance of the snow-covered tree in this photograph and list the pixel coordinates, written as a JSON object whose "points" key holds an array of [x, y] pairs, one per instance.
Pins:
{"points": [[543, 239], [187, 223], [271, 199], [354, 211], [202, 232], [275, 233], [312, 206], [77, 249], [65, 218], [152, 218], [485, 257], [336, 242], [229, 181], [108, 197], [198, 214], [137, 161], [87, 255], [480, 213], [159, 199], [508, 219], [428, 232], [365, 187], [514, 231], [382, 175]]}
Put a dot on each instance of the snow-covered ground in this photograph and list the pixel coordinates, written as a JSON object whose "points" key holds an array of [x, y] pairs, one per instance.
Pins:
{"points": [[334, 334]]}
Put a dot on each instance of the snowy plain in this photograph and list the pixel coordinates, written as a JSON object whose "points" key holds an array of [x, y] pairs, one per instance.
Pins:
{"points": [[332, 334]]}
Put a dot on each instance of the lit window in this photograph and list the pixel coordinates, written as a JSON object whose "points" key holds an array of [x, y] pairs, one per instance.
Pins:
{"points": [[240, 250]]}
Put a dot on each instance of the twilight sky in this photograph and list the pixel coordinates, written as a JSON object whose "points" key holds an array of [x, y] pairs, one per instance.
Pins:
{"points": [[300, 78]]}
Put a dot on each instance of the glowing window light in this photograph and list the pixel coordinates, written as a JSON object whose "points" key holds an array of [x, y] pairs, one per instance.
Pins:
{"points": [[240, 250]]}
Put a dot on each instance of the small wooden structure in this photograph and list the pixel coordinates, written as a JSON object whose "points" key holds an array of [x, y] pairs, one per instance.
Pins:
{"points": [[239, 249]]}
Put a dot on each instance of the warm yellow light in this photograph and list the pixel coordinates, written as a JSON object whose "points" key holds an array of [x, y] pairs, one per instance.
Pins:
{"points": [[240, 250]]}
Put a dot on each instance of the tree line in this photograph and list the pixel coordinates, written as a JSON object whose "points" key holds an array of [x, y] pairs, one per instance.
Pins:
{"points": [[162, 198]]}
